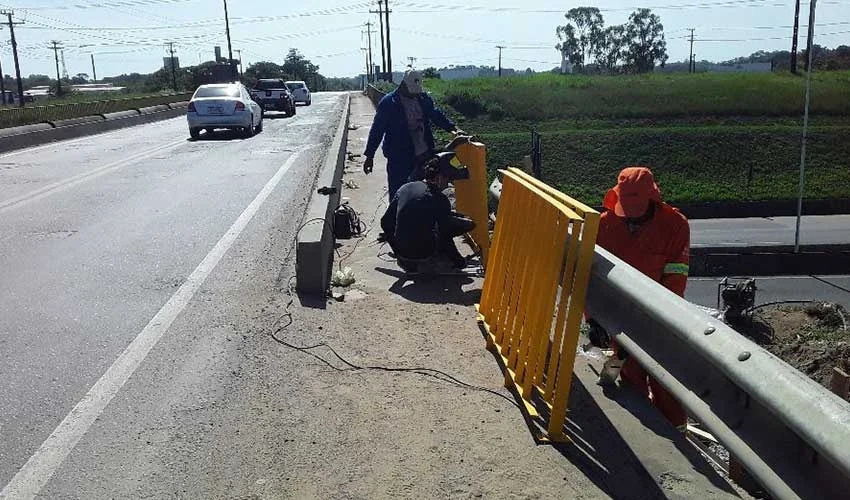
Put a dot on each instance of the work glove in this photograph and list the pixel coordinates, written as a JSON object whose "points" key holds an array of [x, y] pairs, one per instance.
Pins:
{"points": [[368, 165]]}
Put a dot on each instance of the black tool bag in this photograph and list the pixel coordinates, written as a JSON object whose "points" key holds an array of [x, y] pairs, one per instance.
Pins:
{"points": [[346, 223]]}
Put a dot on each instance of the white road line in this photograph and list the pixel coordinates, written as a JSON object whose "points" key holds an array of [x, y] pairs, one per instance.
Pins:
{"points": [[64, 184], [38, 470]]}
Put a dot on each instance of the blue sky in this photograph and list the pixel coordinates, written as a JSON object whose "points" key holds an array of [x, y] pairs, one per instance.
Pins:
{"points": [[130, 35]]}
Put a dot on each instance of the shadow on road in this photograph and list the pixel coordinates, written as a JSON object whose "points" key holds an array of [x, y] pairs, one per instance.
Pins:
{"points": [[276, 116], [218, 135], [437, 289]]}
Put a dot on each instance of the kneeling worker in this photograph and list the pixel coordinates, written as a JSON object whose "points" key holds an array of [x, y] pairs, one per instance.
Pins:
{"points": [[419, 224], [654, 238]]}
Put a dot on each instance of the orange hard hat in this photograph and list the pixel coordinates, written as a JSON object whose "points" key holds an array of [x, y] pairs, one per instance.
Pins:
{"points": [[635, 189]]}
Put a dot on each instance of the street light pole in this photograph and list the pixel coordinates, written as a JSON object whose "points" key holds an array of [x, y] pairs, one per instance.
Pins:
{"points": [[809, 68], [229, 45]]}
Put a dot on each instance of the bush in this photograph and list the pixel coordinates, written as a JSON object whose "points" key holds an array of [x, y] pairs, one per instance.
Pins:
{"points": [[495, 111], [466, 102]]}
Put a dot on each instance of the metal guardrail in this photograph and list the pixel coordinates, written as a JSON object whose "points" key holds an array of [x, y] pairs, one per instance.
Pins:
{"points": [[791, 434], [534, 292], [471, 194], [13, 117]]}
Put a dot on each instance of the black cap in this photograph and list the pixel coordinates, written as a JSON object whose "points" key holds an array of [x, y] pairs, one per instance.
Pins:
{"points": [[449, 166]]}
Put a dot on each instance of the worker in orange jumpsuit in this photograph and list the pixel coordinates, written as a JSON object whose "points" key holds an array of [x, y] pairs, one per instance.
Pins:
{"points": [[654, 238]]}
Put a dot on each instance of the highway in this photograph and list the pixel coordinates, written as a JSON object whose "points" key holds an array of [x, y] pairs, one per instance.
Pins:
{"points": [[814, 230], [124, 259]]}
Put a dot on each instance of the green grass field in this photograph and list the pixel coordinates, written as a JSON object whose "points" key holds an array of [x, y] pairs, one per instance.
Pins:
{"points": [[701, 134]]}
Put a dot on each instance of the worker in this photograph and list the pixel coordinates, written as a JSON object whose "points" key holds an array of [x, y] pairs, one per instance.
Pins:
{"points": [[403, 122], [420, 225], [654, 238]]}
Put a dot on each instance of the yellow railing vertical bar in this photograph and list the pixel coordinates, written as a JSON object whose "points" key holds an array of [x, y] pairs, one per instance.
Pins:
{"points": [[532, 299], [519, 261], [577, 301], [516, 203], [527, 278], [495, 276], [544, 344], [566, 282], [551, 264]]}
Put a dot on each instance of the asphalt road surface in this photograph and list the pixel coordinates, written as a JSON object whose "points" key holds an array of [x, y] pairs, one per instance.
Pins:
{"points": [[703, 291], [814, 230], [111, 243]]}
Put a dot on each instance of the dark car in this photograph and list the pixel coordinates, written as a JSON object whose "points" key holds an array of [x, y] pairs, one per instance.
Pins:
{"points": [[272, 94]]}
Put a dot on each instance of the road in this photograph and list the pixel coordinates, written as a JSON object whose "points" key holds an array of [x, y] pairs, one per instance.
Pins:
{"points": [[111, 243], [703, 291], [815, 230]]}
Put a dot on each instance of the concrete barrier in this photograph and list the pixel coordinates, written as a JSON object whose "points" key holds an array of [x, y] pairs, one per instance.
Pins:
{"points": [[154, 109], [179, 105], [120, 115], [41, 135], [769, 261], [314, 253], [25, 129], [70, 122]]}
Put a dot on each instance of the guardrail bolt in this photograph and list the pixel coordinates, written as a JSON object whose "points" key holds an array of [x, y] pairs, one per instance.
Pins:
{"points": [[744, 356], [710, 330]]}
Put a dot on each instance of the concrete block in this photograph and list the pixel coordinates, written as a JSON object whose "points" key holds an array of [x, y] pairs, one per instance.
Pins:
{"points": [[70, 122], [25, 129], [179, 105], [154, 109], [120, 115], [314, 253]]}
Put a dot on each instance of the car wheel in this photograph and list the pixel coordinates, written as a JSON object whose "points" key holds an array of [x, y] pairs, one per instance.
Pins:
{"points": [[293, 110], [195, 133], [309, 102], [249, 130], [260, 126]]}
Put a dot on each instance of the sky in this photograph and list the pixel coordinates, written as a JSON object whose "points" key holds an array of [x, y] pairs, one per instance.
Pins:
{"points": [[128, 36]]}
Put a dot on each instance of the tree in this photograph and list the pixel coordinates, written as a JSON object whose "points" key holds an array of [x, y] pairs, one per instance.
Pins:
{"points": [[263, 69], [431, 73], [299, 67], [611, 49], [581, 35], [80, 78], [645, 44]]}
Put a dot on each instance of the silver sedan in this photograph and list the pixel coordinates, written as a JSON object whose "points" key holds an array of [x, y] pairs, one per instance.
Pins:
{"points": [[223, 105]]}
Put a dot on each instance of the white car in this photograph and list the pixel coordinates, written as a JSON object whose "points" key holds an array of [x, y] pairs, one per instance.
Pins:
{"points": [[300, 92], [224, 105]]}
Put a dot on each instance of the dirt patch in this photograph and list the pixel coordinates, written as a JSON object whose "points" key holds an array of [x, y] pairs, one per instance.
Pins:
{"points": [[812, 338]]}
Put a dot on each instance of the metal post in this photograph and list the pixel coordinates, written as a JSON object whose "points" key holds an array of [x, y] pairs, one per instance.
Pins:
{"points": [[229, 45], [389, 46], [93, 69], [3, 84], [809, 51]]}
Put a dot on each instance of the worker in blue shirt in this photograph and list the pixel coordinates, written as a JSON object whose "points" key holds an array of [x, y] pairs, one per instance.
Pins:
{"points": [[403, 121]]}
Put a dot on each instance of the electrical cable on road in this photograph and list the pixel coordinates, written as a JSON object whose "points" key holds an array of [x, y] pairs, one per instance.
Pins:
{"points": [[352, 367]]}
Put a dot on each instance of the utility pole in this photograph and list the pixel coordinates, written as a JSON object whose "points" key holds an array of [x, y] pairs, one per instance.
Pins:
{"points": [[173, 68], [500, 47], [810, 44], [389, 46], [3, 84], [370, 67], [229, 45], [380, 13], [794, 37], [93, 70], [366, 74], [691, 66], [56, 48], [9, 14]]}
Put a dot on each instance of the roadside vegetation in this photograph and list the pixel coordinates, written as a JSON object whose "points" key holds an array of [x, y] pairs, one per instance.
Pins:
{"points": [[708, 137]]}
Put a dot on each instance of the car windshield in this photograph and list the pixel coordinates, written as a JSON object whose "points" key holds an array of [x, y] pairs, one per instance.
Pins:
{"points": [[269, 84], [217, 92], [295, 85]]}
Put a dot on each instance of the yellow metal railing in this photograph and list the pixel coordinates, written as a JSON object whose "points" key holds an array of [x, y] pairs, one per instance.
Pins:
{"points": [[471, 194], [534, 293]]}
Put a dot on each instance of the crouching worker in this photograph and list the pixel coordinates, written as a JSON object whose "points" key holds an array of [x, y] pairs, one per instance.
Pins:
{"points": [[420, 225]]}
